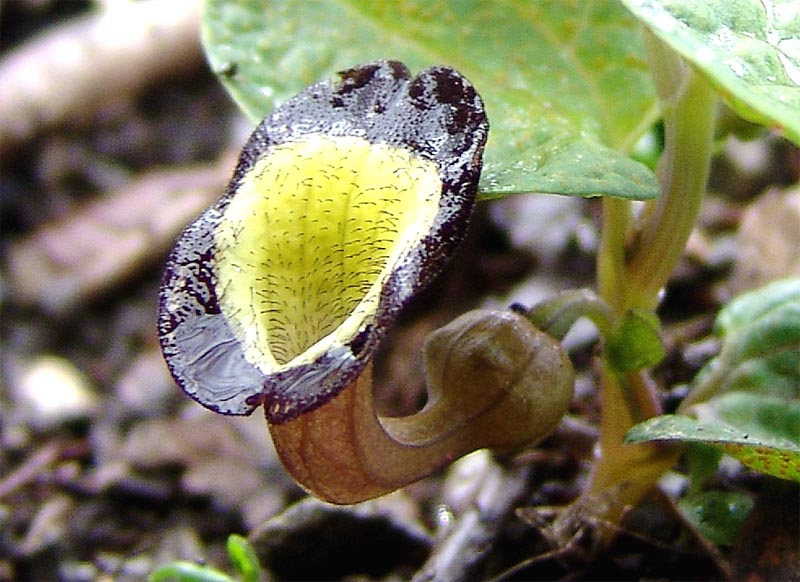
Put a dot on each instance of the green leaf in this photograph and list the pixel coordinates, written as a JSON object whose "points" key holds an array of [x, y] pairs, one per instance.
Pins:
{"points": [[762, 416], [718, 515], [635, 343], [244, 558], [761, 344], [773, 456], [747, 399], [188, 572], [749, 50], [776, 300], [567, 90]]}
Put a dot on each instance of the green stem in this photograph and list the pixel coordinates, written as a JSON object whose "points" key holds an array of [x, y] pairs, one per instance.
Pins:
{"points": [[611, 254], [689, 109], [634, 263]]}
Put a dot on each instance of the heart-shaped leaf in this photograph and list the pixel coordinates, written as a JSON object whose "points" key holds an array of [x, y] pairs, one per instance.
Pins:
{"points": [[761, 416], [749, 49], [566, 87]]}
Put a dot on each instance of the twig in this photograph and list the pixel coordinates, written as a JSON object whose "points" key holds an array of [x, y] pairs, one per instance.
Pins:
{"points": [[71, 70], [36, 463], [71, 261], [470, 539]]}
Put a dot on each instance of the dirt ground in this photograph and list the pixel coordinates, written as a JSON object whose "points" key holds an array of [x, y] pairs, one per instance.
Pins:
{"points": [[107, 469]]}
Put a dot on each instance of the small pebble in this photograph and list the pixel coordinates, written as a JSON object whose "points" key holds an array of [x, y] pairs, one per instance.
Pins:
{"points": [[51, 391]]}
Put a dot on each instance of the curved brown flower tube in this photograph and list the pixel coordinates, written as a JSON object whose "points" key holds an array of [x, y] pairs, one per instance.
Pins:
{"points": [[494, 381]]}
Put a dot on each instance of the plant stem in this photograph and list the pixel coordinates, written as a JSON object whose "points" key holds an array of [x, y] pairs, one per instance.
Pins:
{"points": [[623, 475], [689, 110], [611, 255], [634, 263]]}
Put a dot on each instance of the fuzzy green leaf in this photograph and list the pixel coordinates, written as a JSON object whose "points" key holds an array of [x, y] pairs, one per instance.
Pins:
{"points": [[749, 50], [761, 344], [758, 414], [773, 456], [566, 87], [747, 400]]}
